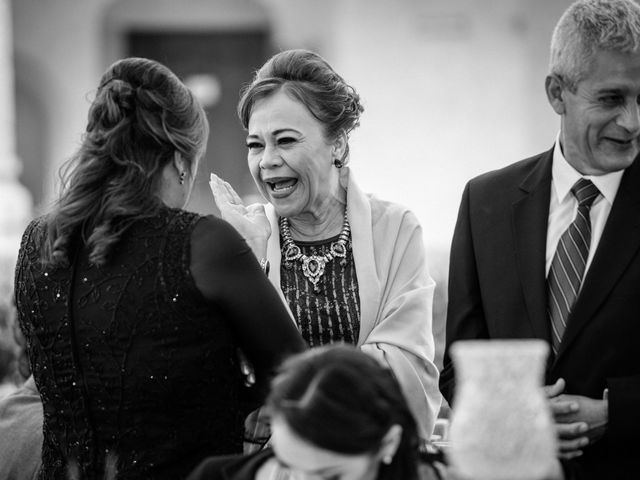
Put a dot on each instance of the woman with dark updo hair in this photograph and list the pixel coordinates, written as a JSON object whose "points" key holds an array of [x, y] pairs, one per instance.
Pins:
{"points": [[351, 267], [132, 308], [336, 413]]}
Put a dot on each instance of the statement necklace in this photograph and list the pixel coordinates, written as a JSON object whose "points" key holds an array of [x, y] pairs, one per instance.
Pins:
{"points": [[313, 265]]}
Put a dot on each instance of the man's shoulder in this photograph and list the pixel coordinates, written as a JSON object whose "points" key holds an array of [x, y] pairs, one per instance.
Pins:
{"points": [[512, 174]]}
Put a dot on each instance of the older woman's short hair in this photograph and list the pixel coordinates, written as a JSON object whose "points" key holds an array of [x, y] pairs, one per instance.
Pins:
{"points": [[589, 26], [308, 78]]}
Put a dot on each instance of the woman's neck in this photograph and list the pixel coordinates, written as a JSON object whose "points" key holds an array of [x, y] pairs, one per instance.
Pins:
{"points": [[326, 223]]}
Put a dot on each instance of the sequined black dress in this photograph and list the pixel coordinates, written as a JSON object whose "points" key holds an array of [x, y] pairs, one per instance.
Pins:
{"points": [[136, 361]]}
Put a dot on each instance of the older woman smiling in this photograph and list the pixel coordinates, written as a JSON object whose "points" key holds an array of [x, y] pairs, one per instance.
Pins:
{"points": [[351, 267]]}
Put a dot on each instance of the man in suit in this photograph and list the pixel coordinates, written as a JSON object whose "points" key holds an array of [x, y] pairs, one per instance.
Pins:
{"points": [[549, 247]]}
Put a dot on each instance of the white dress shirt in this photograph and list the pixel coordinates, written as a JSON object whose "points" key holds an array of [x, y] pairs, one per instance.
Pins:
{"points": [[563, 205]]}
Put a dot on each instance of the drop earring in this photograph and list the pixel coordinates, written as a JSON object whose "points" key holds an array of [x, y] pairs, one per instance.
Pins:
{"points": [[182, 174], [387, 459], [338, 163]]}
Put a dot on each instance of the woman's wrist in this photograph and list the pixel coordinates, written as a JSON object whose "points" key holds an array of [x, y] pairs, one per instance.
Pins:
{"points": [[258, 246], [265, 265]]}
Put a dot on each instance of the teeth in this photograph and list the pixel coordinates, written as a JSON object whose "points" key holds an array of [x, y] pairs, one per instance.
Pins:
{"points": [[283, 185]]}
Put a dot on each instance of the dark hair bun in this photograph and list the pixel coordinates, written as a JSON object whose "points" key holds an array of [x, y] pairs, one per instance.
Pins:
{"points": [[118, 102]]}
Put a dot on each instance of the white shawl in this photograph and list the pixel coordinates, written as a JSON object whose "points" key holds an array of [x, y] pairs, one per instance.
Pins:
{"points": [[396, 294]]}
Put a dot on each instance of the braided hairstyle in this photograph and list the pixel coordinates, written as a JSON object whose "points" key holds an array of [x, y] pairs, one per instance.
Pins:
{"points": [[309, 79], [141, 116], [342, 400]]}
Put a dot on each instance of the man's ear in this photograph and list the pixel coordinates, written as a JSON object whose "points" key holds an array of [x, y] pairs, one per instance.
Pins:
{"points": [[556, 90]]}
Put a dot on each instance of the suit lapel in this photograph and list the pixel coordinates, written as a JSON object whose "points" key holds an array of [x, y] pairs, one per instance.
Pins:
{"points": [[529, 215], [619, 243]]}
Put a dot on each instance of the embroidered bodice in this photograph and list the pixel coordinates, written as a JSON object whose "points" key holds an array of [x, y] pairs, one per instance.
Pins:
{"points": [[133, 360], [330, 311]]}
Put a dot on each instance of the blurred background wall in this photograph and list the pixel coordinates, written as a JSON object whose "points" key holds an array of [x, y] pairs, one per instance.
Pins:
{"points": [[451, 88]]}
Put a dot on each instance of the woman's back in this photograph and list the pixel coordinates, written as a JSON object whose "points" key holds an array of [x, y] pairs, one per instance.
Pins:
{"points": [[131, 361]]}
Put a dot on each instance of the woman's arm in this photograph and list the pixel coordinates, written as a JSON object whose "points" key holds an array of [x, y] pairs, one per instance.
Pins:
{"points": [[227, 273]]}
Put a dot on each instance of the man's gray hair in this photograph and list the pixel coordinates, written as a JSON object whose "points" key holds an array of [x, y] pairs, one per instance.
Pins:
{"points": [[589, 26]]}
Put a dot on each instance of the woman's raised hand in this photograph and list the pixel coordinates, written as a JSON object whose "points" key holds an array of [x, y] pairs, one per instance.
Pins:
{"points": [[250, 221]]}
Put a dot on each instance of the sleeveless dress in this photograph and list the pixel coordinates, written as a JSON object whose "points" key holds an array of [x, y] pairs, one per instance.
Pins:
{"points": [[136, 369]]}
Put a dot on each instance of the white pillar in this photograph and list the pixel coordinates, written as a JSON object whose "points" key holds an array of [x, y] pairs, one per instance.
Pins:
{"points": [[15, 200]]}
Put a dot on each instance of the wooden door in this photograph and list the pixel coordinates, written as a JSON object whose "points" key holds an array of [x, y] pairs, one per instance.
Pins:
{"points": [[230, 58]]}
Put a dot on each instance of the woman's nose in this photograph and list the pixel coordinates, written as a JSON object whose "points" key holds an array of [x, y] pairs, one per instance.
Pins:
{"points": [[270, 158]]}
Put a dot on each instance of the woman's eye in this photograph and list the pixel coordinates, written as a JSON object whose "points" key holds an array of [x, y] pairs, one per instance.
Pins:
{"points": [[253, 145], [286, 140]]}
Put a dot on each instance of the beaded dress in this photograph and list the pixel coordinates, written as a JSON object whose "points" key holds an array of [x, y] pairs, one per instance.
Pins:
{"points": [[136, 361], [328, 311]]}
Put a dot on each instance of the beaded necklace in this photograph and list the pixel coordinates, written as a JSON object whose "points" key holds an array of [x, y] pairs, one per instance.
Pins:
{"points": [[313, 265]]}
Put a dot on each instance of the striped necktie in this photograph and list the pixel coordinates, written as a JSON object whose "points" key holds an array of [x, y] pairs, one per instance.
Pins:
{"points": [[568, 264]]}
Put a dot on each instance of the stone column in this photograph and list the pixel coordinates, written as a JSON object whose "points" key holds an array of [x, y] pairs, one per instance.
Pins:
{"points": [[15, 200]]}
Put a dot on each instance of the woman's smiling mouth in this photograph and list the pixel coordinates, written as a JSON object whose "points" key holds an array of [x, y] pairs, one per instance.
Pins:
{"points": [[281, 185]]}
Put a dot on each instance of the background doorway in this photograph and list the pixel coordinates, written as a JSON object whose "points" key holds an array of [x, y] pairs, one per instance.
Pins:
{"points": [[221, 63]]}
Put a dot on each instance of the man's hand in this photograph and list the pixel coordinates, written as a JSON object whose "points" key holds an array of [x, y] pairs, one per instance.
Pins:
{"points": [[555, 389], [583, 410], [579, 420]]}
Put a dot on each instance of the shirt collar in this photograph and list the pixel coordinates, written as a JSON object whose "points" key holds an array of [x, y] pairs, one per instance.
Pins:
{"points": [[565, 176]]}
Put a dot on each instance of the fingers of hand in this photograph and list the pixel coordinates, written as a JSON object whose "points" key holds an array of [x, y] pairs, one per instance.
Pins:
{"points": [[570, 455], [568, 446], [571, 431], [215, 181], [222, 191], [571, 447], [555, 389], [219, 195], [256, 212], [257, 209], [235, 198], [563, 407]]}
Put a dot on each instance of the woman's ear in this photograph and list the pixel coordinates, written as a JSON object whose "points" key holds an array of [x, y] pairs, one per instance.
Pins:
{"points": [[340, 147], [390, 443], [555, 88], [179, 163]]}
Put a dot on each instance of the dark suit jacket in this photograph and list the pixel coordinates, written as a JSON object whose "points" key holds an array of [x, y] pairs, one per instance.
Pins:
{"points": [[497, 289]]}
